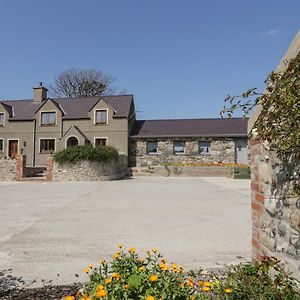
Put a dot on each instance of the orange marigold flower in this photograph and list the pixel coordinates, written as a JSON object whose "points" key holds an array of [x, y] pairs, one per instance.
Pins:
{"points": [[228, 291], [91, 266], [150, 298], [101, 261], [153, 278], [163, 260], [69, 298], [120, 246], [163, 267], [116, 255], [207, 283], [100, 287], [126, 286], [132, 250], [107, 280], [182, 285], [141, 260], [206, 289], [116, 276], [101, 293], [86, 270], [190, 283], [154, 250], [200, 282]]}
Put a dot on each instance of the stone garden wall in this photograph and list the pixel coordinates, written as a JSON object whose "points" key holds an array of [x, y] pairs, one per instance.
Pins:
{"points": [[275, 206], [7, 170], [222, 150], [87, 171]]}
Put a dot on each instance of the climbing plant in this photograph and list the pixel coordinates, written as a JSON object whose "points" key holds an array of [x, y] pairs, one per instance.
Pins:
{"points": [[279, 120]]}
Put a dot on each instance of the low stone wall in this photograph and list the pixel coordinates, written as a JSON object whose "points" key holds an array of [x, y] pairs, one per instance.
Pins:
{"points": [[8, 169], [87, 171], [275, 206], [222, 150], [185, 171]]}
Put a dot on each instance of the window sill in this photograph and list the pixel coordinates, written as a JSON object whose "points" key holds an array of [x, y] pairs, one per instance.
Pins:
{"points": [[48, 125], [47, 152], [100, 124]]}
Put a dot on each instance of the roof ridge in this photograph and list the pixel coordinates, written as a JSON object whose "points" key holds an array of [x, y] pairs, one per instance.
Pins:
{"points": [[195, 119]]}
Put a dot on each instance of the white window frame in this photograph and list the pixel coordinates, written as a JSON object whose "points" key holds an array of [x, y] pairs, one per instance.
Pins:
{"points": [[66, 141], [95, 114], [209, 148], [152, 153], [47, 138], [45, 112], [100, 137], [179, 153], [3, 113]]}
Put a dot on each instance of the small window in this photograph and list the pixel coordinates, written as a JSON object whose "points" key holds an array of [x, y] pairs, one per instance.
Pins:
{"points": [[100, 142], [1, 119], [204, 147], [152, 147], [47, 145], [179, 147], [48, 118], [1, 146], [101, 117]]}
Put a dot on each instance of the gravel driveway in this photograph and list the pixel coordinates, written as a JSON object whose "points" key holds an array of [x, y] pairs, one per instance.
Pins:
{"points": [[58, 228]]}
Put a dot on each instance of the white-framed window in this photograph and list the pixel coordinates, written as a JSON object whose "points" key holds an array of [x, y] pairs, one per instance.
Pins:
{"points": [[47, 145], [178, 147], [2, 119], [204, 147], [101, 117], [1, 145], [100, 142], [152, 147], [48, 118]]}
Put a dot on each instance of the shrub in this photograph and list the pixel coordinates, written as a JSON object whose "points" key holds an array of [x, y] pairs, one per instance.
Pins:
{"points": [[73, 155], [130, 277]]}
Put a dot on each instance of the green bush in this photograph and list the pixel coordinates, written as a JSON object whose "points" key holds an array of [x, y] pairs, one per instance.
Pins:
{"points": [[128, 276], [73, 155]]}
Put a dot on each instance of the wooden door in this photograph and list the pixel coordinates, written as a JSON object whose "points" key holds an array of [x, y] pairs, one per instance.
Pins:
{"points": [[13, 148]]}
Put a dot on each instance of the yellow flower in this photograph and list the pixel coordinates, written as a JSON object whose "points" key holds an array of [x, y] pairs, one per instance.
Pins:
{"points": [[206, 289], [207, 283], [91, 266], [182, 285], [164, 267], [153, 278], [200, 282], [100, 287], [116, 255], [126, 286], [69, 298], [228, 291], [120, 246], [107, 280], [101, 293], [163, 260], [193, 298], [141, 268], [190, 283], [116, 276], [86, 270], [101, 261], [154, 250], [132, 250], [150, 298]]}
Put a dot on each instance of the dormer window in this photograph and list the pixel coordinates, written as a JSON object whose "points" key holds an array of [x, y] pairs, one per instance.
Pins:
{"points": [[1, 119], [101, 117], [48, 118]]}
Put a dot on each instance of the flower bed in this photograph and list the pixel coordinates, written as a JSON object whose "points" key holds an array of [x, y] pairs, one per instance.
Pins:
{"points": [[128, 276]]}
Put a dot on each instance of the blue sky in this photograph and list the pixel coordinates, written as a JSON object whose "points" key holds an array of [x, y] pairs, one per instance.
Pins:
{"points": [[179, 58]]}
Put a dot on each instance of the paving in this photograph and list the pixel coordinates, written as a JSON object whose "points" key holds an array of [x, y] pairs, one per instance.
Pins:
{"points": [[51, 231]]}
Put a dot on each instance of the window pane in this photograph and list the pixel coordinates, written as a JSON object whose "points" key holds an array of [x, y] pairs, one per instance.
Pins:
{"points": [[101, 116], [204, 147], [48, 118], [100, 142], [47, 145], [179, 147], [1, 145], [151, 147], [1, 119]]}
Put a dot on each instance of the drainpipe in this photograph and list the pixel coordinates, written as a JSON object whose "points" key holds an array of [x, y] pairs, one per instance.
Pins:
{"points": [[34, 138]]}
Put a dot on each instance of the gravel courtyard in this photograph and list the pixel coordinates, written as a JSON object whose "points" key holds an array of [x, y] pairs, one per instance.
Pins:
{"points": [[58, 228]]}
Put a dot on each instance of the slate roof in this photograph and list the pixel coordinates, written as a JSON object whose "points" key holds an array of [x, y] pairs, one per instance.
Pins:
{"points": [[190, 128], [73, 108]]}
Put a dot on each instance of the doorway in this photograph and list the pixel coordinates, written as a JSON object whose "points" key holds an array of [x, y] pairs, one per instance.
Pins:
{"points": [[13, 148], [241, 151], [72, 142]]}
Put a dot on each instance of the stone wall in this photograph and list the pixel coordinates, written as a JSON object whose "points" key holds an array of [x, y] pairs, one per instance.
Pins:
{"points": [[222, 150], [7, 169], [275, 206], [87, 171]]}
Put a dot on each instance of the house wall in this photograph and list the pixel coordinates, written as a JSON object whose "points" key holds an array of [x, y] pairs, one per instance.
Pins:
{"points": [[222, 150]]}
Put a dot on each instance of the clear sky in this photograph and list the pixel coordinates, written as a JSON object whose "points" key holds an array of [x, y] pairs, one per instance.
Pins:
{"points": [[179, 58]]}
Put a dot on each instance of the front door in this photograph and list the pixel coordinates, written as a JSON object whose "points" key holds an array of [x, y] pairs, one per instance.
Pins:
{"points": [[241, 151], [13, 148]]}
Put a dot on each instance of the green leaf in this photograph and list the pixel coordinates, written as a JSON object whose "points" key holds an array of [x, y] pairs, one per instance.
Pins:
{"points": [[135, 281]]}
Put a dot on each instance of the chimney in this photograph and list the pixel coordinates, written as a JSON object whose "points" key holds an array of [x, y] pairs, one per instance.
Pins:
{"points": [[39, 93]]}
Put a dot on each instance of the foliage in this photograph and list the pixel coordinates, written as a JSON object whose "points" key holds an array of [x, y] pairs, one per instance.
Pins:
{"points": [[73, 155], [279, 120], [130, 277], [73, 83]]}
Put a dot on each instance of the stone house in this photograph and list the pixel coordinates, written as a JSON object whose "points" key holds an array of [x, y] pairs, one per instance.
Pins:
{"points": [[42, 126], [156, 142]]}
